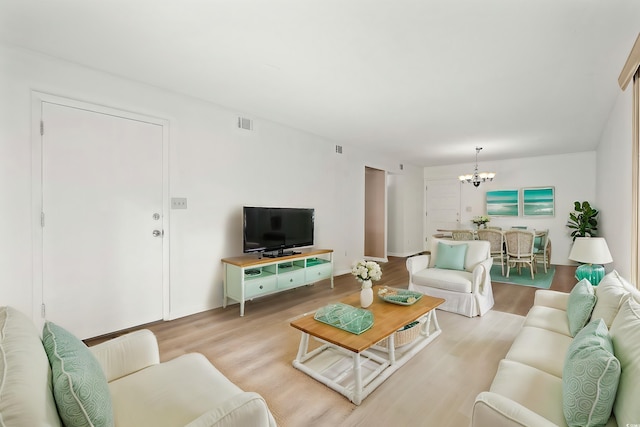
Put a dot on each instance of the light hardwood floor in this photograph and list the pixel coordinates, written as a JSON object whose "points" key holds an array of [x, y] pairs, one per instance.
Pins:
{"points": [[436, 388]]}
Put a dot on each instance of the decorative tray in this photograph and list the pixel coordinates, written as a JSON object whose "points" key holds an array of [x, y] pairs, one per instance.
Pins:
{"points": [[345, 317], [399, 296]]}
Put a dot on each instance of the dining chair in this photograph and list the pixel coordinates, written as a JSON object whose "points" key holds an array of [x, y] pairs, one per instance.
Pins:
{"points": [[496, 238], [520, 244], [542, 249], [462, 235]]}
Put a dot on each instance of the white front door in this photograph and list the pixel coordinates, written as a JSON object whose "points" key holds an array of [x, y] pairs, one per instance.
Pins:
{"points": [[102, 199], [443, 206]]}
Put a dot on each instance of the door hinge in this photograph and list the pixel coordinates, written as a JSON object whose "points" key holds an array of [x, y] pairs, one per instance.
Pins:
{"points": [[41, 127], [43, 310], [41, 219]]}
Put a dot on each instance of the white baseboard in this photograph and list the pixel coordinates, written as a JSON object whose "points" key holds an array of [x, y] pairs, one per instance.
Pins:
{"points": [[341, 272]]}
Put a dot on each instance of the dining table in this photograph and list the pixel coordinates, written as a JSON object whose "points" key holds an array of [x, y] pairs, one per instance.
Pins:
{"points": [[446, 233]]}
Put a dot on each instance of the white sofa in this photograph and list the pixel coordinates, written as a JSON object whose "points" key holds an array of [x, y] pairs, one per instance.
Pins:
{"points": [[140, 391], [534, 384], [466, 288]]}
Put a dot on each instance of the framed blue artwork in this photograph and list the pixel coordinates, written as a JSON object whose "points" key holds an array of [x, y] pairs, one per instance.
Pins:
{"points": [[503, 203], [538, 201]]}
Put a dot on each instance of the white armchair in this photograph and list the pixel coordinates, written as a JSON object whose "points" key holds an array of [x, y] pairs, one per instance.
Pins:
{"points": [[466, 290], [186, 391]]}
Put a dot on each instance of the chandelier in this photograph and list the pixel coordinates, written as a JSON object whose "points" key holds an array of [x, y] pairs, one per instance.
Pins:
{"points": [[476, 178]]}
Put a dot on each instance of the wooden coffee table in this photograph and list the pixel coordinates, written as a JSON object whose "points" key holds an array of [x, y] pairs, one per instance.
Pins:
{"points": [[354, 365]]}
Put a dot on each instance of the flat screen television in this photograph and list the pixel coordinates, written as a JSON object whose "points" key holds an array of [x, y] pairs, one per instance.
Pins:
{"points": [[267, 229]]}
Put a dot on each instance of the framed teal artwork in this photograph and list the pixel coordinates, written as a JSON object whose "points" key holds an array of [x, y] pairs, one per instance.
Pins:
{"points": [[503, 203], [538, 201]]}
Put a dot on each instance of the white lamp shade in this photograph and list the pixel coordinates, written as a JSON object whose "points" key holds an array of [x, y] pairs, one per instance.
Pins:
{"points": [[590, 250]]}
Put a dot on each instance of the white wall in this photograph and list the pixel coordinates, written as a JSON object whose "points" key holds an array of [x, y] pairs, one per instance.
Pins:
{"points": [[217, 167], [613, 191], [572, 175], [395, 225]]}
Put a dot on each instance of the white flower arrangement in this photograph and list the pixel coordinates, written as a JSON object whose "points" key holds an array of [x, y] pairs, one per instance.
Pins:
{"points": [[366, 271], [480, 220]]}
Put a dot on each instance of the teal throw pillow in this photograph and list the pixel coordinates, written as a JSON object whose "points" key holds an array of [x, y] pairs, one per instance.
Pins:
{"points": [[451, 257], [590, 377], [582, 299], [80, 387]]}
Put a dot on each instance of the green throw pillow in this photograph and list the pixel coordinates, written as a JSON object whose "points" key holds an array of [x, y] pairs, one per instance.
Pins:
{"points": [[590, 377], [79, 385], [451, 257], [582, 299]]}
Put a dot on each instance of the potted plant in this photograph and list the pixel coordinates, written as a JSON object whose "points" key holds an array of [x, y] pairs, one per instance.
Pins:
{"points": [[583, 221]]}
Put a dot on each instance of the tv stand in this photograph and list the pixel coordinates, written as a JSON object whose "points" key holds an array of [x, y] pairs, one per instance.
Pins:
{"points": [[247, 277]]}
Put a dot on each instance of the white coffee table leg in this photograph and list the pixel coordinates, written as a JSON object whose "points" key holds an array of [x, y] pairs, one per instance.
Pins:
{"points": [[392, 349], [302, 348], [357, 373], [434, 319]]}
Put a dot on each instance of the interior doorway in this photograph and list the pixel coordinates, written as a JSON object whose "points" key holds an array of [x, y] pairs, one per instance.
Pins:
{"points": [[375, 214]]}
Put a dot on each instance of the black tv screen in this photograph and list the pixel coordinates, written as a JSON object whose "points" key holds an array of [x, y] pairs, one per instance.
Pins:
{"points": [[267, 229]]}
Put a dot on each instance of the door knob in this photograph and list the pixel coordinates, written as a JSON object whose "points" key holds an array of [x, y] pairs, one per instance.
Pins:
{"points": [[157, 233]]}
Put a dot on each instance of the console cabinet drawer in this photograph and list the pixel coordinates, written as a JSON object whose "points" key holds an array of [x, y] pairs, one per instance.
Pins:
{"points": [[318, 272], [290, 280], [259, 286]]}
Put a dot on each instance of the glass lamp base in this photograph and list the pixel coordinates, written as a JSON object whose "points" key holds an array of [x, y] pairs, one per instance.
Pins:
{"points": [[594, 273]]}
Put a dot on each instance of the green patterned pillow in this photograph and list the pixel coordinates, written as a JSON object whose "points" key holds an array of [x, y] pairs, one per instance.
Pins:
{"points": [[79, 385], [451, 257], [582, 299], [590, 377]]}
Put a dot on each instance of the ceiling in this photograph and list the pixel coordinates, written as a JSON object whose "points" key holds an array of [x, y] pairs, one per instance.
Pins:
{"points": [[422, 81]]}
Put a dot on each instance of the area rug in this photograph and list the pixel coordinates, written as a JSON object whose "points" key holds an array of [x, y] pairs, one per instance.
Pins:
{"points": [[541, 279]]}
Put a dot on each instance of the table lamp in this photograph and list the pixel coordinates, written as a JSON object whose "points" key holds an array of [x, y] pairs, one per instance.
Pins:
{"points": [[592, 251]]}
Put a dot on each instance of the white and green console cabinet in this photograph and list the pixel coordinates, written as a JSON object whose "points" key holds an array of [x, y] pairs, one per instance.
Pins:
{"points": [[248, 277]]}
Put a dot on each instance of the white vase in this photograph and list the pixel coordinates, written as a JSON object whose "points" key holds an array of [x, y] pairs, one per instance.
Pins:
{"points": [[366, 296]]}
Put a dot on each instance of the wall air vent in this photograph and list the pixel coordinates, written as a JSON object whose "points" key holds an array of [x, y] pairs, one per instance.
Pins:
{"points": [[244, 123], [339, 149]]}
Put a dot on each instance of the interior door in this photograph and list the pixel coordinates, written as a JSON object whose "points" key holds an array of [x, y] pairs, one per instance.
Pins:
{"points": [[375, 218], [442, 206], [102, 194]]}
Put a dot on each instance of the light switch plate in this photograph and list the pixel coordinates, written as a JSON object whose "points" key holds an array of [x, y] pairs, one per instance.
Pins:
{"points": [[178, 203]]}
